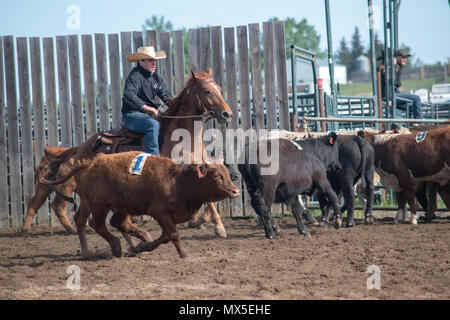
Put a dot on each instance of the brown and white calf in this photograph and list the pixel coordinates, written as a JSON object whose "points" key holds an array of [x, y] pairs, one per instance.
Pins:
{"points": [[403, 163]]}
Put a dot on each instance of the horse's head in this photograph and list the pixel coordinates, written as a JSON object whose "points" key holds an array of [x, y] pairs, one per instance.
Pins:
{"points": [[209, 97]]}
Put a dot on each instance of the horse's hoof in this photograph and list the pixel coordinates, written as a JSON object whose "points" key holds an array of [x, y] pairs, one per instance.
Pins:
{"points": [[117, 252], [369, 220], [72, 232], [130, 254], [220, 231], [306, 233], [277, 229], [337, 223], [185, 254], [271, 236], [324, 223]]}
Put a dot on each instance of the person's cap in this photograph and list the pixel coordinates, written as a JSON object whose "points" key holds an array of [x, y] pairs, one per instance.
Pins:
{"points": [[146, 53], [402, 53]]}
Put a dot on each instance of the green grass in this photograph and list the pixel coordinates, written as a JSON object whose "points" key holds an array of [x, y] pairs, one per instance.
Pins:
{"points": [[365, 88]]}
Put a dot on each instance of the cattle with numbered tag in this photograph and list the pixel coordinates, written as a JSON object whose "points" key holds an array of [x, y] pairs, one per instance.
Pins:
{"points": [[170, 193], [405, 161]]}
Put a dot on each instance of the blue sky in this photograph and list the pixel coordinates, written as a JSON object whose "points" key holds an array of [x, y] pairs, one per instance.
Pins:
{"points": [[424, 24]]}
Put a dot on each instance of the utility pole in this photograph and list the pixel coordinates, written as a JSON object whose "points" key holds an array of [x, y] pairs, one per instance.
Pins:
{"points": [[330, 46]]}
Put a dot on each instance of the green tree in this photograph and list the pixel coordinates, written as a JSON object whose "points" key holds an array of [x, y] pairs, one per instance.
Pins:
{"points": [[344, 55], [357, 47], [379, 47], [157, 23], [301, 34]]}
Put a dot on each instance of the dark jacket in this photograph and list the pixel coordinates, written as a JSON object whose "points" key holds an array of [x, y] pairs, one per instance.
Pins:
{"points": [[398, 76], [142, 88]]}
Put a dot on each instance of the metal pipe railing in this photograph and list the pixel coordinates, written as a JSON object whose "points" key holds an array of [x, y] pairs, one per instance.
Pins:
{"points": [[375, 120]]}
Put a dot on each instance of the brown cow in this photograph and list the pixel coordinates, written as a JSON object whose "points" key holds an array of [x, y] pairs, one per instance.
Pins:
{"points": [[403, 163], [170, 193]]}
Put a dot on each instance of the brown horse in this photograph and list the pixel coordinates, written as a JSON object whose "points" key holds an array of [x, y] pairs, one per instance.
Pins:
{"points": [[63, 191], [200, 97]]}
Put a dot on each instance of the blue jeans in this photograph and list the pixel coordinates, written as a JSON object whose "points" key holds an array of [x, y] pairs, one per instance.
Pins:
{"points": [[143, 123], [416, 106]]}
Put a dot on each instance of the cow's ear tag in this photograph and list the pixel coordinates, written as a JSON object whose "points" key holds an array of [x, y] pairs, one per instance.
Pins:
{"points": [[199, 173], [331, 140]]}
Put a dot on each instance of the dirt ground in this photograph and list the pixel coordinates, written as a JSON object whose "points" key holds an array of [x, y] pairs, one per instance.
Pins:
{"points": [[331, 264]]}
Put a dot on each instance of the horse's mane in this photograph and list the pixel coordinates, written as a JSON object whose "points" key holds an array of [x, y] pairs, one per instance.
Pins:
{"points": [[176, 102]]}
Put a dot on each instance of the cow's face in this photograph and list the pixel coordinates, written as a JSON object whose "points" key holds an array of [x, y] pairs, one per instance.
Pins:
{"points": [[331, 141], [216, 181]]}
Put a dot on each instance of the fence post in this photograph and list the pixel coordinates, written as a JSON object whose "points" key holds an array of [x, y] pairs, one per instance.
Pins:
{"points": [[4, 210], [269, 76], [194, 43], [166, 64], [63, 85], [379, 101], [231, 98], [102, 80], [50, 91], [89, 84], [178, 61], [257, 88], [13, 132], [114, 77], [244, 85], [38, 109], [26, 139], [75, 89], [125, 49], [323, 124], [281, 74]]}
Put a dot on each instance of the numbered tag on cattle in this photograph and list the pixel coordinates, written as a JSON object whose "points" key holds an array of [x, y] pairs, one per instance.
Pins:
{"points": [[138, 163], [421, 136]]}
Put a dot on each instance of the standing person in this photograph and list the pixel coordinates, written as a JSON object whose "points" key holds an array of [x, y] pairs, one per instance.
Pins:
{"points": [[400, 58], [139, 103]]}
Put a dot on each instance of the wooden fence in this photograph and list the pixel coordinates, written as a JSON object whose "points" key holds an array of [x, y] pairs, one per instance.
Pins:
{"points": [[64, 89]]}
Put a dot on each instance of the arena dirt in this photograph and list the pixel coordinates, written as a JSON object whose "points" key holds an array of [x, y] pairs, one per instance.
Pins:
{"points": [[331, 264]]}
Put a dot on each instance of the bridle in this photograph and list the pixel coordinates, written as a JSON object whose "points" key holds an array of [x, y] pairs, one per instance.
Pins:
{"points": [[207, 114]]}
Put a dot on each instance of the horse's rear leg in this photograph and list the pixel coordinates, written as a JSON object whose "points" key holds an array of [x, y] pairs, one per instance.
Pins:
{"points": [[59, 205], [128, 228], [219, 229], [41, 194]]}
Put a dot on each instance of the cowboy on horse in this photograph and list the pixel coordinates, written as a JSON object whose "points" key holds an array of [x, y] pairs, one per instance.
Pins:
{"points": [[140, 105]]}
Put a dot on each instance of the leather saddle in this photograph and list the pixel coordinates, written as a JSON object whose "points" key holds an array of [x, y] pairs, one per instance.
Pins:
{"points": [[118, 140]]}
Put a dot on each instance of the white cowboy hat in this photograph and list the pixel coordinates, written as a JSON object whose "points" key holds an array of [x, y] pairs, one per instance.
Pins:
{"points": [[146, 53]]}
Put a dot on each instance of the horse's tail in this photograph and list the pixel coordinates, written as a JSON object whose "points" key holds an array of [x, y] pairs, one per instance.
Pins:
{"points": [[80, 165], [52, 159], [249, 171], [362, 144]]}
